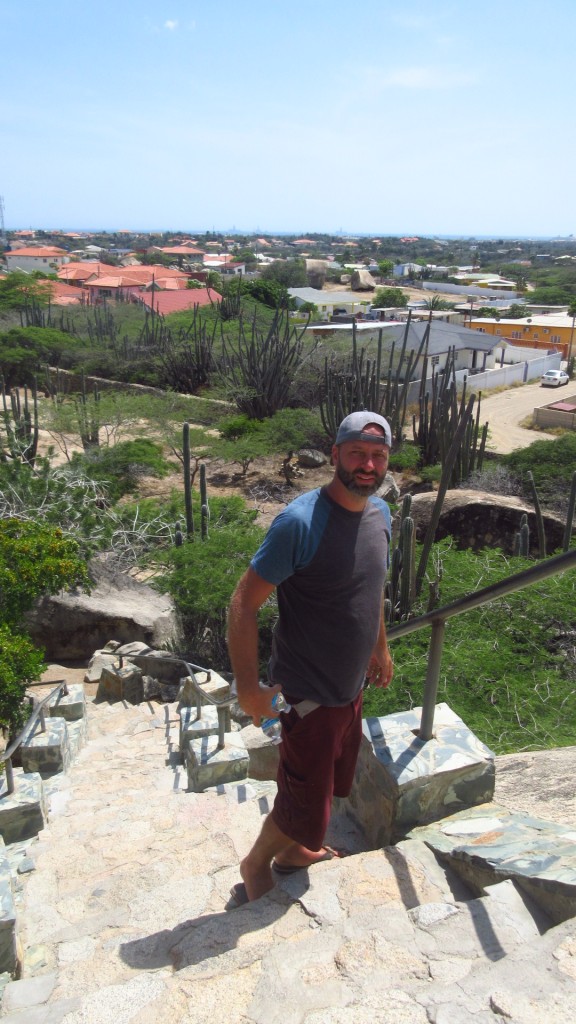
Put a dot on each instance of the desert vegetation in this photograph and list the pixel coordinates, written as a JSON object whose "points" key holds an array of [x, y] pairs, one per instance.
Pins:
{"points": [[87, 469]]}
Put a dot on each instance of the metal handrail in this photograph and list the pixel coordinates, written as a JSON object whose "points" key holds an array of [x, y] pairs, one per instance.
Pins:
{"points": [[437, 620], [202, 697], [38, 707]]}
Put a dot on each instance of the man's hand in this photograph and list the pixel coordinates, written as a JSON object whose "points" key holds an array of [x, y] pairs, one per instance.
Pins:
{"points": [[380, 668], [258, 703]]}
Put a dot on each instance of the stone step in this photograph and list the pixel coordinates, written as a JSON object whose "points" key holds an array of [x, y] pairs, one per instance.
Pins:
{"points": [[134, 928], [489, 843], [8, 942], [72, 706], [207, 764], [22, 813]]}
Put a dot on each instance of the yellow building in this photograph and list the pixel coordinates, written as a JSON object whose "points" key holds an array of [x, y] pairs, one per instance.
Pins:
{"points": [[542, 331]]}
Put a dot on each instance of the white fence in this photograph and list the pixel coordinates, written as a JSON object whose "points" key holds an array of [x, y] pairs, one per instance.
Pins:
{"points": [[504, 376]]}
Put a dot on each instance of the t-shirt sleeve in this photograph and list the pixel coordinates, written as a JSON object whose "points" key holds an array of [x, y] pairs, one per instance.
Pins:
{"points": [[283, 550]]}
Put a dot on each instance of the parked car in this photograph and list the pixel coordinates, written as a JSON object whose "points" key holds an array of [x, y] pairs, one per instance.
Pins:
{"points": [[554, 378]]}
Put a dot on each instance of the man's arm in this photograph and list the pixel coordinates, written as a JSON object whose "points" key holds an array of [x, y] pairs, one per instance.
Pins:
{"points": [[381, 667], [250, 594]]}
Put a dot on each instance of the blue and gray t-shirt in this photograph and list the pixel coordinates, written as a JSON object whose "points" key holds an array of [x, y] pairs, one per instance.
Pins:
{"points": [[329, 567]]}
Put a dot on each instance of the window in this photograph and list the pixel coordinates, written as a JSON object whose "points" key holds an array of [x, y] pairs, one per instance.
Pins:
{"points": [[481, 330], [555, 337], [498, 331], [516, 334]]}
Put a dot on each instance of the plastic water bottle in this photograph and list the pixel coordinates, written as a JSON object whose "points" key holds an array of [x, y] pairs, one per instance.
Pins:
{"points": [[271, 726]]}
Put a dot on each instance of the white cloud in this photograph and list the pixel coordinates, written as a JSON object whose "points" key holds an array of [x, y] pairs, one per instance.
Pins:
{"points": [[171, 25]]}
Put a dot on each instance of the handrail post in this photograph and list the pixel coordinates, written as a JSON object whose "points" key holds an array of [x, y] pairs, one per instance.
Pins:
{"points": [[432, 677], [9, 776]]}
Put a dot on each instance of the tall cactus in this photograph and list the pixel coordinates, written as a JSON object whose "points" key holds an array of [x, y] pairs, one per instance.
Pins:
{"points": [[569, 515], [187, 481], [400, 586], [522, 538], [204, 507], [88, 413], [21, 426], [539, 518]]}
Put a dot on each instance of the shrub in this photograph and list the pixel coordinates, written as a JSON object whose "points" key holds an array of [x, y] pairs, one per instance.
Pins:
{"points": [[20, 663], [201, 577], [119, 467], [406, 456]]}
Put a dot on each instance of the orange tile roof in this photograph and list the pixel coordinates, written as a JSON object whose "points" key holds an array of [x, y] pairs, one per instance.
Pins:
{"points": [[37, 250], [182, 250], [62, 294], [175, 302], [82, 270]]}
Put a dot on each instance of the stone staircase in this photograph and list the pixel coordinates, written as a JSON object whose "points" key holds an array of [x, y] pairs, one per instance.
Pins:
{"points": [[122, 908]]}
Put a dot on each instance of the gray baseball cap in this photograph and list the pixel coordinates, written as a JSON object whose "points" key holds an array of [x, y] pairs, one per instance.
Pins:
{"points": [[352, 428]]}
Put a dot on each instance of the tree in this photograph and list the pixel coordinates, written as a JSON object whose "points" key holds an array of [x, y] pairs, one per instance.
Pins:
{"points": [[290, 273], [390, 297], [18, 290], [23, 350], [385, 267]]}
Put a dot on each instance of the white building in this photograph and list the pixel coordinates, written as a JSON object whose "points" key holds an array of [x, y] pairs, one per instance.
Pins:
{"points": [[46, 258]]}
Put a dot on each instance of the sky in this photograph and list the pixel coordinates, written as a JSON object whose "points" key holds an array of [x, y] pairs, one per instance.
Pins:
{"points": [[374, 117]]}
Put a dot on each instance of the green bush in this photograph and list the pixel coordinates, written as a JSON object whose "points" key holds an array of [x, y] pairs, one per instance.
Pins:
{"points": [[552, 464], [34, 560], [406, 456], [20, 664], [119, 467], [201, 577]]}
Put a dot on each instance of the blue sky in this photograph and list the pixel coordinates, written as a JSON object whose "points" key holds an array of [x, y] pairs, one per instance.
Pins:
{"points": [[289, 115]]}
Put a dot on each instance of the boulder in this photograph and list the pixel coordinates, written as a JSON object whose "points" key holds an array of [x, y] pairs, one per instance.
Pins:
{"points": [[316, 272], [67, 625], [479, 520], [362, 281], [389, 490], [310, 458]]}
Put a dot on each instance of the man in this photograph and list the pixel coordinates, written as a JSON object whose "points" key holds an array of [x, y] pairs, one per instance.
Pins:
{"points": [[327, 555]]}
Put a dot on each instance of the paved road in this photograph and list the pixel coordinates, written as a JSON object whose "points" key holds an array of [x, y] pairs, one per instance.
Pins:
{"points": [[508, 409]]}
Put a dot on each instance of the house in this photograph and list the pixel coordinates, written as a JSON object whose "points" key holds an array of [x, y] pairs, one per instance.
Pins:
{"points": [[46, 258], [117, 282], [329, 303], [177, 301], [541, 331]]}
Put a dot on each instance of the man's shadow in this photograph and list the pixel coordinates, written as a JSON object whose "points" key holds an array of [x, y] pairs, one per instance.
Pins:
{"points": [[211, 935]]}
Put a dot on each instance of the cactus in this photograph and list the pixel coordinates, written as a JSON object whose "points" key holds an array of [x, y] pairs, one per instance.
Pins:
{"points": [[187, 481], [178, 538], [204, 507], [88, 417], [399, 594], [21, 425], [522, 538], [539, 517], [569, 515]]}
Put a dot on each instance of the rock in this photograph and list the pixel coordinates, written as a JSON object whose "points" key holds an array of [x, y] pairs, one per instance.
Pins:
{"points": [[362, 280], [97, 662], [152, 688], [121, 684], [169, 692], [66, 625], [389, 490], [316, 272], [310, 458], [480, 520]]}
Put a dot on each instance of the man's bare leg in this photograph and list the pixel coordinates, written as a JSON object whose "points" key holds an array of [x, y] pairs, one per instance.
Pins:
{"points": [[272, 844], [255, 868]]}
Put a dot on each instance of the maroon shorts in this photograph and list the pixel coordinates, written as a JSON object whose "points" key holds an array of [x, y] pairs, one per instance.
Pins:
{"points": [[318, 757]]}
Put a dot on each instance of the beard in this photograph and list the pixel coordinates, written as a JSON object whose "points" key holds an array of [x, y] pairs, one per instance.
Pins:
{"points": [[351, 483]]}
